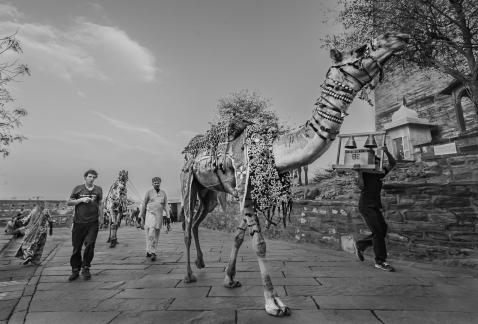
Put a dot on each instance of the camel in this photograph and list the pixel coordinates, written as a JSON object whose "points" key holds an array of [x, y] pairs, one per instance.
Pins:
{"points": [[115, 205], [202, 180]]}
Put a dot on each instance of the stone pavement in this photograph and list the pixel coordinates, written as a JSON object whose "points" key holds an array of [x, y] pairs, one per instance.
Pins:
{"points": [[4, 239], [320, 286]]}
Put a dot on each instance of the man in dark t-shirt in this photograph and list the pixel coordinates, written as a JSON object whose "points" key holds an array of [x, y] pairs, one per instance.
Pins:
{"points": [[370, 205], [87, 199]]}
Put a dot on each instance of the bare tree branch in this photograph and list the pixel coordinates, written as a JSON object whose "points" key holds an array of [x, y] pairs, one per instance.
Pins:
{"points": [[10, 118], [444, 33]]}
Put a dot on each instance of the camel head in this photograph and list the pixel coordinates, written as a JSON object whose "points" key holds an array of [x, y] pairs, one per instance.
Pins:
{"points": [[123, 177], [358, 67]]}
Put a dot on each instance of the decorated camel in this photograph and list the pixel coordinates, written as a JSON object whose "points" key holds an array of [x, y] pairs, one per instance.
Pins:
{"points": [[230, 162], [115, 205]]}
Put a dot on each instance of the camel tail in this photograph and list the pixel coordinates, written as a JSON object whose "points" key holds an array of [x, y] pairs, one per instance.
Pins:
{"points": [[181, 216]]}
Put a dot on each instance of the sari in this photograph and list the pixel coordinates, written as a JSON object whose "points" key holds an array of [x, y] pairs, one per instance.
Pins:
{"points": [[36, 231]]}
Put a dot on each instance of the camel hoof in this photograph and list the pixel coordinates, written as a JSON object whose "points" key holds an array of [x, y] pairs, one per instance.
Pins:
{"points": [[190, 278], [232, 284], [200, 263], [280, 312], [277, 308]]}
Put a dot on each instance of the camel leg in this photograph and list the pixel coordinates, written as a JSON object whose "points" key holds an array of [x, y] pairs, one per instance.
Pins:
{"points": [[190, 277], [118, 224], [190, 195], [229, 281], [113, 229], [273, 305], [109, 227], [306, 171], [208, 203]]}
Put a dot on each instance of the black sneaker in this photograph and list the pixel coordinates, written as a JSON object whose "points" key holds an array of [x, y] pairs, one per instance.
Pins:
{"points": [[359, 252], [148, 255], [74, 275], [384, 266], [86, 273], [153, 256]]}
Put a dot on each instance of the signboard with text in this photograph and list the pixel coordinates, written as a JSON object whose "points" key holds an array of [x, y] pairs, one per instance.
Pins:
{"points": [[358, 159], [449, 148]]}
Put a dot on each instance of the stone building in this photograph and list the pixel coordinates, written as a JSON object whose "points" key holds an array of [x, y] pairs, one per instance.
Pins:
{"points": [[407, 131], [435, 99]]}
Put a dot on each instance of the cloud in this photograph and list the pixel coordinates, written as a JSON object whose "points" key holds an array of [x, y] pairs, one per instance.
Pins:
{"points": [[7, 10], [94, 6], [84, 140], [60, 138], [129, 127], [130, 59], [84, 49], [110, 140]]}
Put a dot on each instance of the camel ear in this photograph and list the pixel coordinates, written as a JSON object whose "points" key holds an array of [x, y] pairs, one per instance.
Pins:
{"points": [[336, 55]]}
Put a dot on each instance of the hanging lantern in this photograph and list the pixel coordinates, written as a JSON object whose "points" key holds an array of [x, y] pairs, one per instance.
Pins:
{"points": [[370, 143], [351, 143]]}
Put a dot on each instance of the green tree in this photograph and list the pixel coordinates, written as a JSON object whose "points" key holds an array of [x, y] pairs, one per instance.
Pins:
{"points": [[248, 106], [10, 118], [444, 33]]}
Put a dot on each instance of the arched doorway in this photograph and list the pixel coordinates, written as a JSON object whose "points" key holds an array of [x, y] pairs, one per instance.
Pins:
{"points": [[466, 114]]}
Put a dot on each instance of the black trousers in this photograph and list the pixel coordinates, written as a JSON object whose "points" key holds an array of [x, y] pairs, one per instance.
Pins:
{"points": [[377, 225], [83, 233]]}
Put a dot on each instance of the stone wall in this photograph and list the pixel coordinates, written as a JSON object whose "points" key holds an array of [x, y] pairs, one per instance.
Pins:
{"points": [[431, 208], [60, 212], [431, 221], [421, 92], [321, 222]]}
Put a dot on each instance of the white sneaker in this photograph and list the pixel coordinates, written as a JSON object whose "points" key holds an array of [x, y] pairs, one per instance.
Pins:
{"points": [[384, 266]]}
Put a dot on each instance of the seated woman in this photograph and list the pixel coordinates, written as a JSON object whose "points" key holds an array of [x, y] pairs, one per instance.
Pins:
{"points": [[16, 226]]}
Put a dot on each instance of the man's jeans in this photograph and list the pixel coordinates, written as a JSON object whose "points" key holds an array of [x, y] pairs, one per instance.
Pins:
{"points": [[83, 233], [377, 225]]}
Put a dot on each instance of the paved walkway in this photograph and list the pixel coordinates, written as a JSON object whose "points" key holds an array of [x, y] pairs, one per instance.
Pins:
{"points": [[320, 286]]}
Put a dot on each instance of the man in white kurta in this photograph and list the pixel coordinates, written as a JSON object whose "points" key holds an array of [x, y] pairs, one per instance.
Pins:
{"points": [[155, 202]]}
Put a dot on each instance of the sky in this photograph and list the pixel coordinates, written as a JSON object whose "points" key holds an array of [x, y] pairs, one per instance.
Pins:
{"points": [[119, 84]]}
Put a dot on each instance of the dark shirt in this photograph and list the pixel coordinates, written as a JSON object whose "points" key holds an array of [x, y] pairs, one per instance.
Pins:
{"points": [[87, 212], [372, 187]]}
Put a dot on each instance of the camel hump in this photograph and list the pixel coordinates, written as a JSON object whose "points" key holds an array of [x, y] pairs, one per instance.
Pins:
{"points": [[225, 131], [194, 144]]}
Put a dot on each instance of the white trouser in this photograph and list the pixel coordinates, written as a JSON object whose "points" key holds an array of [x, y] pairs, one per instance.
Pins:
{"points": [[152, 239]]}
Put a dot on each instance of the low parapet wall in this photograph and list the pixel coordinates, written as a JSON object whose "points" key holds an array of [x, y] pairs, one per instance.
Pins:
{"points": [[428, 222], [60, 212]]}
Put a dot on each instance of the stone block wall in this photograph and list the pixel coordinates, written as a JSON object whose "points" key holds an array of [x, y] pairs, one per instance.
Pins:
{"points": [[321, 222], [60, 212], [431, 208], [432, 221]]}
